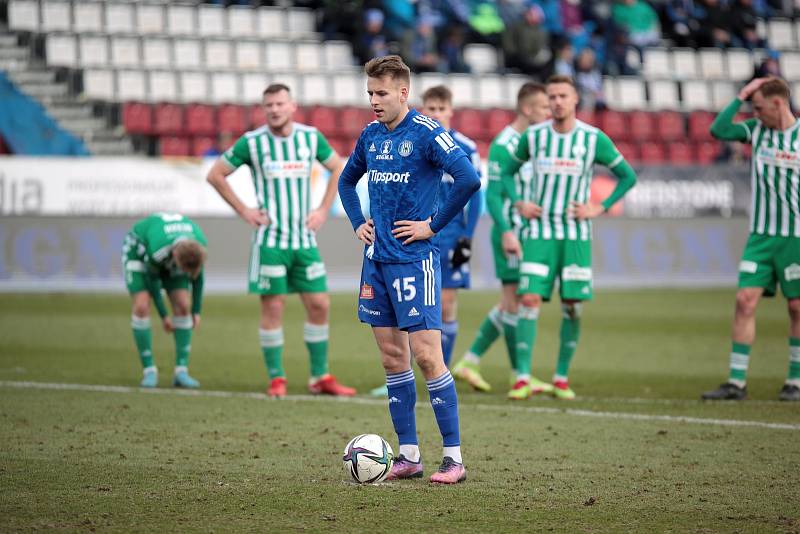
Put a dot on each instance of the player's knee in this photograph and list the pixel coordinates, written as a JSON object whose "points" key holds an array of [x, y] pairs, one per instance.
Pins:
{"points": [[530, 300], [794, 309], [318, 307], [141, 310], [746, 303], [180, 308], [393, 358]]}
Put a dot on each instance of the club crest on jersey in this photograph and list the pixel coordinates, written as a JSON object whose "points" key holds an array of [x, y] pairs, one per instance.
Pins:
{"points": [[386, 149], [303, 152], [372, 148], [367, 291], [579, 151], [406, 148]]}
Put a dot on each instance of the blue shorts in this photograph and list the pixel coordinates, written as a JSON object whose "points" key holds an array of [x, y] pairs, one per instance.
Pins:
{"points": [[452, 278], [401, 295]]}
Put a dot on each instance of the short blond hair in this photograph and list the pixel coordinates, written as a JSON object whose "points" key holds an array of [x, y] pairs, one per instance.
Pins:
{"points": [[189, 256], [392, 66], [776, 87]]}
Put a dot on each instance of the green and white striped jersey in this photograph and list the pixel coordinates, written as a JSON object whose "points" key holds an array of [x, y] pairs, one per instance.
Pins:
{"points": [[500, 152], [158, 233], [775, 177], [281, 170], [563, 166]]}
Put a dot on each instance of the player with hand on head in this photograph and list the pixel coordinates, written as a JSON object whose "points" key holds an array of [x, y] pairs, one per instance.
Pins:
{"points": [[284, 257], [532, 108], [403, 154], [165, 250], [772, 254], [557, 243]]}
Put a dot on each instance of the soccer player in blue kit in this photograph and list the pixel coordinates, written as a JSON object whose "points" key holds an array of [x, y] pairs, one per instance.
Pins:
{"points": [[403, 155]]}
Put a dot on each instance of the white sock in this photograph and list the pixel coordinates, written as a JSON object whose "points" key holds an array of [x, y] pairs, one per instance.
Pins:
{"points": [[453, 452], [411, 452], [470, 357], [151, 369]]}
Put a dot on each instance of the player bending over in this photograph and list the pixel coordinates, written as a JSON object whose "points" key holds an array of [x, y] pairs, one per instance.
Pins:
{"points": [[403, 154], [165, 250]]}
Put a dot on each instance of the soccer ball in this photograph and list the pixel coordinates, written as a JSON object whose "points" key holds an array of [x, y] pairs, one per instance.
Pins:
{"points": [[368, 458]]}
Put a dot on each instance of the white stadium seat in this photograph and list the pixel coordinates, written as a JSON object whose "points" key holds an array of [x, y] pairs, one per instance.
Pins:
{"points": [[663, 94], [88, 17], [790, 65], [150, 19], [194, 86], [796, 95], [271, 22], [481, 57], [253, 85], [696, 95], [300, 21], [156, 52], [279, 55], [211, 20], [463, 88], [163, 86], [99, 84], [780, 34], [308, 56], [491, 91], [125, 52], [610, 88], [120, 18], [337, 55], [187, 53], [684, 63], [219, 54], [349, 89], [225, 87], [241, 21], [131, 85], [739, 64], [61, 50], [722, 92], [23, 15], [514, 83], [656, 63], [315, 88], [56, 16], [94, 51], [248, 55], [181, 19], [712, 64], [630, 94]]}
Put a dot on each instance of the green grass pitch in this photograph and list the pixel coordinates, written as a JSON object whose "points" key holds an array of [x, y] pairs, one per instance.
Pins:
{"points": [[637, 451]]}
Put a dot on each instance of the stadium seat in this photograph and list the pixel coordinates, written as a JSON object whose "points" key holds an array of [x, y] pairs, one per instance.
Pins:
{"points": [[652, 153], [225, 87], [248, 55], [131, 85], [722, 92], [480, 57], [231, 118], [780, 34], [163, 86], [656, 64], [463, 90], [353, 120], [168, 119], [156, 52], [680, 153], [61, 50], [150, 19], [194, 86], [630, 93], [336, 54], [241, 21], [200, 119], [470, 122], [202, 144], [119, 17], [125, 51], [708, 152], [699, 125], [253, 85], [137, 118], [613, 123], [271, 22], [99, 84], [696, 95], [684, 63], [256, 116], [497, 119], [300, 21], [188, 53], [23, 15], [739, 64], [279, 55], [491, 91], [349, 89], [181, 19], [630, 151], [211, 20], [324, 119], [218, 54], [790, 65], [174, 146], [642, 126], [663, 95], [796, 95], [93, 50], [308, 56], [670, 126], [87, 17], [712, 64], [301, 115], [342, 145], [483, 148], [56, 16]]}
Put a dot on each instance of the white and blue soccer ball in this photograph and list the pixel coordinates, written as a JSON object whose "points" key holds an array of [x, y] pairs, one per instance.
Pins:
{"points": [[368, 458]]}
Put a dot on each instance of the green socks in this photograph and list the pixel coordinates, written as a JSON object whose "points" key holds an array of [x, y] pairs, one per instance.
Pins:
{"points": [[143, 337], [794, 361], [740, 357], [183, 339], [488, 332], [316, 338], [570, 332], [525, 339], [510, 321], [272, 348]]}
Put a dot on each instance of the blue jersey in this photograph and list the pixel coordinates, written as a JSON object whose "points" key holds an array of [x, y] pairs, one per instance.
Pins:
{"points": [[404, 169], [463, 224]]}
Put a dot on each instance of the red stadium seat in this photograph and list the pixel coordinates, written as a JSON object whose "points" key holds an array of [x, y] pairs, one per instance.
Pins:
{"points": [[256, 116], [680, 153], [168, 119], [324, 119], [470, 122], [201, 119], [483, 148], [202, 144], [589, 116], [497, 119], [642, 126], [669, 125], [614, 124], [629, 151], [708, 151], [652, 153], [343, 145], [174, 146], [300, 115], [231, 118], [137, 117], [352, 120], [700, 125]]}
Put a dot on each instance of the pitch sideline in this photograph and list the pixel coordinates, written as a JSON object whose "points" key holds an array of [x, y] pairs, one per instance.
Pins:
{"points": [[381, 402]]}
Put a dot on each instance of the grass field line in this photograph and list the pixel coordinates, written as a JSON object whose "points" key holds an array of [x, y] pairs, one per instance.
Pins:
{"points": [[380, 402]]}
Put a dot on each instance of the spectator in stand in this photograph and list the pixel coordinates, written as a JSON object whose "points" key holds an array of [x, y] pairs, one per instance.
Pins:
{"points": [[743, 25], [486, 24], [576, 28], [565, 60], [372, 41], [589, 81], [452, 50], [639, 21], [769, 67], [401, 17], [525, 41], [419, 48], [552, 18], [340, 19], [682, 22], [715, 23]]}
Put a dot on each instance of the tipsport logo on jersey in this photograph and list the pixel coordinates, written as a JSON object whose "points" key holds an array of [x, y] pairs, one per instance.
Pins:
{"points": [[378, 177]]}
